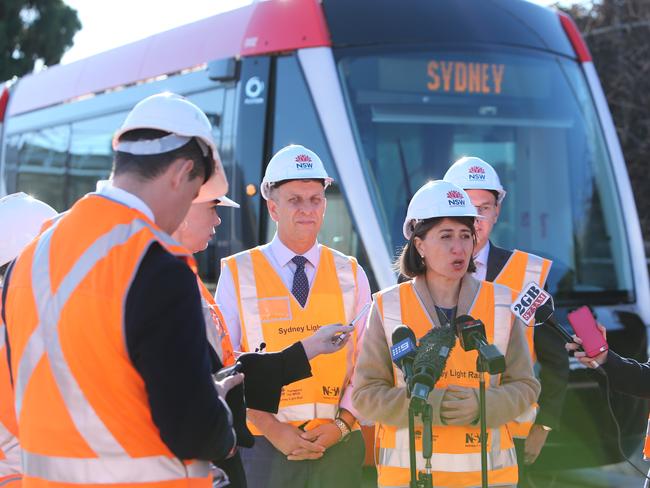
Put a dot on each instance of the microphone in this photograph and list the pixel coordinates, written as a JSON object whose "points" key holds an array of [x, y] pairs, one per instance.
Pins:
{"points": [[431, 359], [402, 352], [534, 301], [544, 316], [472, 337]]}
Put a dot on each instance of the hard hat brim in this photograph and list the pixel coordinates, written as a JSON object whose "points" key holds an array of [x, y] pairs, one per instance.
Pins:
{"points": [[227, 202], [265, 188], [406, 228]]}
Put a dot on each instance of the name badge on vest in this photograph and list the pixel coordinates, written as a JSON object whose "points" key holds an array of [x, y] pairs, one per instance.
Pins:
{"points": [[274, 309]]}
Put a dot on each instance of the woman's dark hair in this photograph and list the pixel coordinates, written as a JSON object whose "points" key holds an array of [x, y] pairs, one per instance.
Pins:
{"points": [[409, 263], [151, 165]]}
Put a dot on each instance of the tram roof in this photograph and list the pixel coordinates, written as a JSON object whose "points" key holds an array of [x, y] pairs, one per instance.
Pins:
{"points": [[269, 26]]}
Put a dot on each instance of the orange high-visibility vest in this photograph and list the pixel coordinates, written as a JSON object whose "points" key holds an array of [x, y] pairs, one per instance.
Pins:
{"points": [[456, 459], [9, 448], [270, 314], [646, 445], [215, 324], [83, 412], [520, 269]]}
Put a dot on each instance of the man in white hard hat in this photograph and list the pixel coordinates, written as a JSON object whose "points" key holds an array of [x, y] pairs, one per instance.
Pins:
{"points": [[22, 218], [516, 269], [107, 339], [276, 294]]}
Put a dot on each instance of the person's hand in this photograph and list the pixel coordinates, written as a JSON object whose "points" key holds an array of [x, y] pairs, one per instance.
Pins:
{"points": [[459, 406], [581, 356], [228, 383], [289, 441], [534, 443], [325, 435], [327, 339]]}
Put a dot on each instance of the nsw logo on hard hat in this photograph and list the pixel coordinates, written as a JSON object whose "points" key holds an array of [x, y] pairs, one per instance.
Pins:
{"points": [[476, 173], [455, 199], [303, 161]]}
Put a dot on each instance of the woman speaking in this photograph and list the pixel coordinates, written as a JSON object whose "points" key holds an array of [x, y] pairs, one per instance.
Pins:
{"points": [[439, 227]]}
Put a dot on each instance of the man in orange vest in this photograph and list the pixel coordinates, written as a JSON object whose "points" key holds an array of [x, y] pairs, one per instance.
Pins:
{"points": [[106, 336], [22, 218], [516, 269], [279, 293]]}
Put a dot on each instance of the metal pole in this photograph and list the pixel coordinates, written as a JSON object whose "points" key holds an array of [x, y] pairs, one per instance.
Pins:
{"points": [[484, 478]]}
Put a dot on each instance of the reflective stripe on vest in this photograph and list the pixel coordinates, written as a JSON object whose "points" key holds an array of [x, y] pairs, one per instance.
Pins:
{"points": [[215, 325], [153, 469], [520, 269], [456, 460], [103, 459], [10, 481], [270, 314]]}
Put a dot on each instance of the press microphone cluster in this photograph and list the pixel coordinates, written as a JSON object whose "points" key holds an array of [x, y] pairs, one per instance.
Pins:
{"points": [[422, 365]]}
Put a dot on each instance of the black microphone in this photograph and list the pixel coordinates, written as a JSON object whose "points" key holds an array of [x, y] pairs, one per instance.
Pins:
{"points": [[471, 333], [534, 301], [431, 359], [402, 352], [544, 316]]}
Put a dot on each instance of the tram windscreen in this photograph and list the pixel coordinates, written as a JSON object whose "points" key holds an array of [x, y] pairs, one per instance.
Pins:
{"points": [[531, 116]]}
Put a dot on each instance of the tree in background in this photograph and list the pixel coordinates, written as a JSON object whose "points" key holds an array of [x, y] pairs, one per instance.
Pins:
{"points": [[618, 35], [33, 30]]}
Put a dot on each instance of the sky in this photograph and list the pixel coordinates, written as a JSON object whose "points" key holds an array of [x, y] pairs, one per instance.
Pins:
{"points": [[107, 25]]}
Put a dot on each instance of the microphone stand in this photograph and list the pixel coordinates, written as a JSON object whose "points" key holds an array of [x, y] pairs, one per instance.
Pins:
{"points": [[481, 367], [418, 407]]}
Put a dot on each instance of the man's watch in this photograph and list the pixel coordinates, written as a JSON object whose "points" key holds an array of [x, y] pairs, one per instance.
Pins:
{"points": [[343, 427], [546, 427]]}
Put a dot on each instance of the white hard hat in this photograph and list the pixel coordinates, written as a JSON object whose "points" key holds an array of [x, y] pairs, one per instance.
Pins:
{"points": [[227, 202], [175, 114], [437, 199], [293, 162], [472, 173], [21, 218]]}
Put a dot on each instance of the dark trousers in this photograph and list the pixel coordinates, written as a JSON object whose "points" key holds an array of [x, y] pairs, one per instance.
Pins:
{"points": [[523, 471], [235, 471], [340, 466]]}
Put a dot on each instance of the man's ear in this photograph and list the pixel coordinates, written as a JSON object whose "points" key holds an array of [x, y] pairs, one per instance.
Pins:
{"points": [[180, 171], [272, 207]]}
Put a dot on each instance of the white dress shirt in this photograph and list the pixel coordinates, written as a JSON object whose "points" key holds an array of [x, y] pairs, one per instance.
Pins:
{"points": [[480, 260], [279, 256], [106, 189]]}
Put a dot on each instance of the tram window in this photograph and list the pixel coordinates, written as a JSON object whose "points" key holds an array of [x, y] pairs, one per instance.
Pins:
{"points": [[295, 122], [212, 102], [91, 153], [41, 158], [534, 121]]}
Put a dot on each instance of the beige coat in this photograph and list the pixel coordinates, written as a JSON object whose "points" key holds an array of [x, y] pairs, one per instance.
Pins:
{"points": [[378, 399]]}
